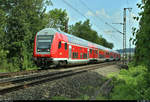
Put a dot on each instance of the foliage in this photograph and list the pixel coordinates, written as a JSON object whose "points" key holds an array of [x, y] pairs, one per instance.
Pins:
{"points": [[3, 53], [2, 26], [130, 84], [60, 98], [102, 41], [142, 40], [57, 18], [20, 20], [101, 97], [84, 30]]}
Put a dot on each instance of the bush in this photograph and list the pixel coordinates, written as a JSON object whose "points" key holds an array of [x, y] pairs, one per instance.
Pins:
{"points": [[130, 84]]}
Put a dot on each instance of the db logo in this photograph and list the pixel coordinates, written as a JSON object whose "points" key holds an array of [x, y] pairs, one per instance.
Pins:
{"points": [[42, 55]]}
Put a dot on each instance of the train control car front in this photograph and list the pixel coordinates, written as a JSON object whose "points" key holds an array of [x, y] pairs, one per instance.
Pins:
{"points": [[42, 47]]}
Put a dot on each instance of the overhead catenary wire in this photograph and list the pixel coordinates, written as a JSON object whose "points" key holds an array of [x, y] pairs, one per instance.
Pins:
{"points": [[74, 8], [114, 28], [83, 14], [99, 18], [78, 11]]}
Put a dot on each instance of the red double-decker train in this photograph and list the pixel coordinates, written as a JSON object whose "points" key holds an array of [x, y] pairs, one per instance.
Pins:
{"points": [[53, 46]]}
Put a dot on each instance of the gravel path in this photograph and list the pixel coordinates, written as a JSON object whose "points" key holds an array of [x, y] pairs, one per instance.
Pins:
{"points": [[72, 87], [104, 71]]}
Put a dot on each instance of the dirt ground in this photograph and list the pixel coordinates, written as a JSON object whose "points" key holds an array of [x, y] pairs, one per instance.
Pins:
{"points": [[104, 71]]}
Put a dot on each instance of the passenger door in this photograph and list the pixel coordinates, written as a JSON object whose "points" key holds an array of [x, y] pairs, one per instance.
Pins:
{"points": [[70, 48]]}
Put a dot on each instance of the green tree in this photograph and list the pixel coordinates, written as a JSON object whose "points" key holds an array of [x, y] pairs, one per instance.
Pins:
{"points": [[24, 19], [57, 18], [2, 34], [142, 42], [84, 30], [2, 27], [142, 55], [104, 42]]}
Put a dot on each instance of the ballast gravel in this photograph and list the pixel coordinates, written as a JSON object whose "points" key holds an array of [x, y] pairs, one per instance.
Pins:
{"points": [[70, 87]]}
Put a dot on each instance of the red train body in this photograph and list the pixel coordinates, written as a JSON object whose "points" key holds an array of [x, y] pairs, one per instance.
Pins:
{"points": [[56, 47]]}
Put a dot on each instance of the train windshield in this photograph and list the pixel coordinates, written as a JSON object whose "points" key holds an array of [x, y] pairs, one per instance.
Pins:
{"points": [[45, 37], [44, 43]]}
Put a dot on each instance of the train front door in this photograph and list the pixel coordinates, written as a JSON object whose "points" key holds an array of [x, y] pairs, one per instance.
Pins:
{"points": [[70, 47], [88, 53]]}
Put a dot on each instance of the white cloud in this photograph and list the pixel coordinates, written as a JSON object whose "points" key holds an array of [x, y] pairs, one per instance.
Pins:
{"points": [[89, 13], [102, 13], [97, 12], [72, 18], [117, 17], [108, 31]]}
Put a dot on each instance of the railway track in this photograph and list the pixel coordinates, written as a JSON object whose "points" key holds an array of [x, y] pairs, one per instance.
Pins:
{"points": [[24, 73], [6, 75], [13, 84]]}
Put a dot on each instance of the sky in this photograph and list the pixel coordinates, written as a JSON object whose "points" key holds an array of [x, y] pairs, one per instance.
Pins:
{"points": [[110, 11]]}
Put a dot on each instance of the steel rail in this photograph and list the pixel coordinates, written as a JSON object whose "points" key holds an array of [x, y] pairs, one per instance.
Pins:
{"points": [[35, 80]]}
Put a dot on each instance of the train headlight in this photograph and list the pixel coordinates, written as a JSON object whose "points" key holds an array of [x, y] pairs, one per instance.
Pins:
{"points": [[38, 50], [48, 50], [35, 59]]}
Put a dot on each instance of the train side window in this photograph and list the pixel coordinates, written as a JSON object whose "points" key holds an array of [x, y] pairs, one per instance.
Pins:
{"points": [[80, 55], [73, 55], [84, 55], [90, 51], [65, 46], [96, 51], [59, 45]]}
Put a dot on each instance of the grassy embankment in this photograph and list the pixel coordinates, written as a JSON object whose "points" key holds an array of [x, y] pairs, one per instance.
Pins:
{"points": [[128, 85]]}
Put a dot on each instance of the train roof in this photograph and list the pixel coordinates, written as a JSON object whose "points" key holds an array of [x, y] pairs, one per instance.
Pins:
{"points": [[74, 39]]}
